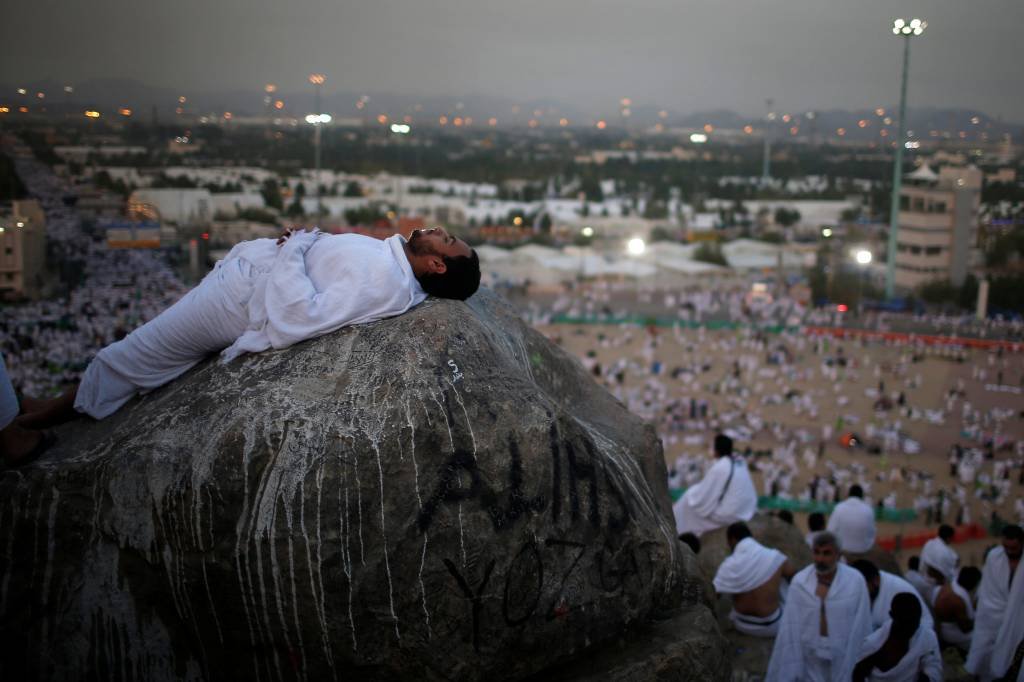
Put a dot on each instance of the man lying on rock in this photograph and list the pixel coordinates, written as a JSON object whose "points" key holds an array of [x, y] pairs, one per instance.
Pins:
{"points": [[266, 294]]}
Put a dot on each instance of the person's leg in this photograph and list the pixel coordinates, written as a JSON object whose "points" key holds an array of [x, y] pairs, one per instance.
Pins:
{"points": [[207, 319], [17, 443]]}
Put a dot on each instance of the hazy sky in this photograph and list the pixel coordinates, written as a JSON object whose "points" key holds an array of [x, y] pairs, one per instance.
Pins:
{"points": [[686, 55]]}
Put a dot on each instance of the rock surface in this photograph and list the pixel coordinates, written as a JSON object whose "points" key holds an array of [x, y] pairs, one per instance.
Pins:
{"points": [[441, 495]]}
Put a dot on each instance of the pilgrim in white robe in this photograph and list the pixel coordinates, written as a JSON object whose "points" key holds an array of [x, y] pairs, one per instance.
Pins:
{"points": [[889, 585], [920, 583], [923, 657], [951, 632], [800, 652], [260, 296], [750, 566], [853, 522], [941, 557], [993, 599], [1011, 634], [725, 495]]}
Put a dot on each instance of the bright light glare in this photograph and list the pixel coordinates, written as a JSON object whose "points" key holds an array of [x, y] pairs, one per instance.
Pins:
{"points": [[899, 23], [587, 232], [400, 128], [826, 232], [863, 256], [314, 119], [636, 246], [698, 138]]}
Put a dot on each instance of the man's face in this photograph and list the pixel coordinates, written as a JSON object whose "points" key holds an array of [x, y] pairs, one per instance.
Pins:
{"points": [[437, 242], [825, 559], [1013, 548]]}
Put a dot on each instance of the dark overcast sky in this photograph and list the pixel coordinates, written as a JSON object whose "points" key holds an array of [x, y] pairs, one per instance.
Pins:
{"points": [[687, 55]]}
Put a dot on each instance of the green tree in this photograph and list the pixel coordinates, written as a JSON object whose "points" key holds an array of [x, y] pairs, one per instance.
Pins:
{"points": [[710, 252], [786, 216]]}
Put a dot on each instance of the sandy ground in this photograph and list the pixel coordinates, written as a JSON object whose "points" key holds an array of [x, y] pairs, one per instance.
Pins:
{"points": [[937, 375]]}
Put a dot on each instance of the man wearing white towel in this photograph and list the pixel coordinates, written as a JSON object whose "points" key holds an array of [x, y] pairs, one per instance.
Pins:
{"points": [[940, 554], [1000, 616], [826, 618], [903, 649], [753, 575], [883, 588], [268, 294], [853, 522], [954, 608], [725, 495]]}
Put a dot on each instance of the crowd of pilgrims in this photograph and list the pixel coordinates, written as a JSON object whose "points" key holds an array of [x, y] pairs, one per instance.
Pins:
{"points": [[48, 344]]}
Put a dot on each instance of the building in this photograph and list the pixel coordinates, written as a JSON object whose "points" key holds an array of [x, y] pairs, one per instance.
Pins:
{"points": [[938, 229], [23, 250], [179, 206]]}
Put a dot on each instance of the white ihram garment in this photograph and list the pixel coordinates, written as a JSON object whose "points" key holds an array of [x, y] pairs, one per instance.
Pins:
{"points": [[923, 657], [853, 522], [703, 507], [993, 597], [750, 566], [800, 652], [260, 296], [941, 557], [889, 585], [1011, 633]]}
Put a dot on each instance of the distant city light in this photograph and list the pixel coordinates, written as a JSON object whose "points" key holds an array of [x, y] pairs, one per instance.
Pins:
{"points": [[879, 111], [92, 113], [913, 144], [443, 120], [228, 115], [662, 114], [636, 246], [270, 88], [492, 121], [182, 99], [533, 123], [382, 119], [124, 111], [826, 232], [748, 129], [563, 122], [22, 91], [517, 221], [316, 119], [708, 128], [4, 110], [842, 308], [41, 95], [698, 138], [862, 256], [587, 232], [279, 104], [400, 128], [317, 78], [601, 125], [68, 89]]}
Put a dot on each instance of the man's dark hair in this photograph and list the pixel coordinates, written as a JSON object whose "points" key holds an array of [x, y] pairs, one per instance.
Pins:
{"points": [[914, 563], [856, 491], [969, 577], [691, 541], [723, 445], [1013, 532], [459, 281], [946, 532], [785, 515], [737, 531], [905, 610], [816, 521], [866, 568]]}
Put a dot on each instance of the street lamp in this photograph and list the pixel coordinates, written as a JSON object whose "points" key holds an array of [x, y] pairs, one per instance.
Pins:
{"points": [[905, 29], [317, 80], [863, 258], [636, 247]]}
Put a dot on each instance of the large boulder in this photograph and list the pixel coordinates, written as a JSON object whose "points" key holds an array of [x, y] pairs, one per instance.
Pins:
{"points": [[441, 495]]}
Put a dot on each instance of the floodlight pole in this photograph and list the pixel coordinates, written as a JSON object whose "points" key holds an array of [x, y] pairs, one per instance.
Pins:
{"points": [[897, 178]]}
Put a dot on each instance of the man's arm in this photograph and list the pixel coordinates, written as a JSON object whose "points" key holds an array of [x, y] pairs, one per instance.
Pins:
{"points": [[788, 570]]}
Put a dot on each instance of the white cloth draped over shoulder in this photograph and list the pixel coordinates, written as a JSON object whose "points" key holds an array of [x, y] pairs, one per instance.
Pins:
{"points": [[994, 618], [922, 658], [800, 652], [703, 507], [889, 585], [260, 296], [319, 283], [1011, 633], [750, 565], [853, 522], [941, 557]]}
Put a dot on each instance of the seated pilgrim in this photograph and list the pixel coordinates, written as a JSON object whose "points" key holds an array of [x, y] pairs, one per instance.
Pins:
{"points": [[954, 608], [753, 575], [904, 649], [883, 588], [853, 522], [725, 495]]}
